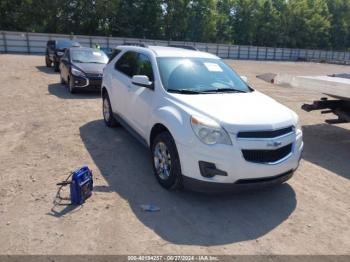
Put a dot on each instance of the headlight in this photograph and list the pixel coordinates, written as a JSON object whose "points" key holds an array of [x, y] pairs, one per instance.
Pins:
{"points": [[297, 123], [298, 127], [77, 72], [60, 53], [209, 132]]}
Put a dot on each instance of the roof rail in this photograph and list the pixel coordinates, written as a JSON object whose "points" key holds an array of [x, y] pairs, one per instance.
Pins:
{"points": [[134, 44], [188, 47]]}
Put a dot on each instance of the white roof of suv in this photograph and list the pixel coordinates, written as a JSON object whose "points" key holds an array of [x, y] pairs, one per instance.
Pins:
{"points": [[167, 51]]}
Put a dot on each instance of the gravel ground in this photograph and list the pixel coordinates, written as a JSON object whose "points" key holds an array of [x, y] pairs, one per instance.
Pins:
{"points": [[46, 132]]}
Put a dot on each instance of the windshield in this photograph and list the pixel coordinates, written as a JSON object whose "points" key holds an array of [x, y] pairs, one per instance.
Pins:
{"points": [[199, 75], [62, 44], [88, 56]]}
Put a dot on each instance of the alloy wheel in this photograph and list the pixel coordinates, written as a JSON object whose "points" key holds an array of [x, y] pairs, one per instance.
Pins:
{"points": [[106, 113], [162, 160]]}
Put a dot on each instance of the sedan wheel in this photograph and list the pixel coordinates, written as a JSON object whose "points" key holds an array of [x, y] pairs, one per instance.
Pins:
{"points": [[61, 80], [71, 86], [56, 66], [48, 61]]}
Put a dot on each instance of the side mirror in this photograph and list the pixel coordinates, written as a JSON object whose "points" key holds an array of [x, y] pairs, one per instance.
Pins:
{"points": [[245, 79], [142, 80]]}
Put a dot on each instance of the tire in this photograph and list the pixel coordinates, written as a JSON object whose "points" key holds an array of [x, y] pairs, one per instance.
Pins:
{"points": [[48, 61], [71, 87], [107, 112], [61, 80], [57, 66], [164, 152]]}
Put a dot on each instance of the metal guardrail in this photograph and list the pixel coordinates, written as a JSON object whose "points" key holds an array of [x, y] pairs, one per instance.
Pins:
{"points": [[35, 43]]}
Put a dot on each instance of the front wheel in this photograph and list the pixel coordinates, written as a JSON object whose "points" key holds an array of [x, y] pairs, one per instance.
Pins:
{"points": [[166, 162], [48, 61], [62, 80], [57, 66], [71, 87]]}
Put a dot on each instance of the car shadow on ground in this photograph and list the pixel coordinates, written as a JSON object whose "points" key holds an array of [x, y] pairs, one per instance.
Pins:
{"points": [[47, 70], [62, 91], [185, 217], [328, 146]]}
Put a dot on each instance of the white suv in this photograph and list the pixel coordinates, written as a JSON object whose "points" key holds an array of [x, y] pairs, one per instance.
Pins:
{"points": [[205, 126]]}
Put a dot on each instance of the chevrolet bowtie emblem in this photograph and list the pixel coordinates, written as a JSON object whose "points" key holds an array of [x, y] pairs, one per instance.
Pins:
{"points": [[274, 144]]}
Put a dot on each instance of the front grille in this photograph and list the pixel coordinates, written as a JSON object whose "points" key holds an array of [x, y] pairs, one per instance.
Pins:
{"points": [[95, 83], [267, 156], [94, 75], [265, 134]]}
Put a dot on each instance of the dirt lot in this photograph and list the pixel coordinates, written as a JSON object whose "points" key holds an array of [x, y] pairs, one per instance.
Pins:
{"points": [[46, 132]]}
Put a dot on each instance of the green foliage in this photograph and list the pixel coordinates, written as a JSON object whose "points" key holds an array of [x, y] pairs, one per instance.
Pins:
{"points": [[224, 26], [245, 22], [340, 23], [176, 16], [201, 20], [308, 24], [269, 29], [280, 23]]}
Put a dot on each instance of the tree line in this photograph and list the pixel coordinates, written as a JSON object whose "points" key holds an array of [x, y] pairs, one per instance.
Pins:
{"points": [[322, 24]]}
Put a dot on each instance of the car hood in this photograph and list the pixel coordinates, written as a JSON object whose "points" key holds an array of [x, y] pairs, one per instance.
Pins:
{"points": [[238, 111], [90, 68]]}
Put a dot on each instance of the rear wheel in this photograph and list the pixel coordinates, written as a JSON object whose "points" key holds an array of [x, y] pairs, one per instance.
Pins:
{"points": [[48, 61], [108, 117], [166, 162]]}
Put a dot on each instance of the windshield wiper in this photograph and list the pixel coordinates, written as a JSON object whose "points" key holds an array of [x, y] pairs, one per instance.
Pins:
{"points": [[184, 91], [219, 90]]}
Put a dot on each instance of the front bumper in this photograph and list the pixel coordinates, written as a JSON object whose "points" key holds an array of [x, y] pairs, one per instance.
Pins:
{"points": [[93, 83], [238, 186], [229, 158]]}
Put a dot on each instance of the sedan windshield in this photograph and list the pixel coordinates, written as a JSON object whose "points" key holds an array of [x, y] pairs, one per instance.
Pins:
{"points": [[199, 75], [88, 56], [63, 44]]}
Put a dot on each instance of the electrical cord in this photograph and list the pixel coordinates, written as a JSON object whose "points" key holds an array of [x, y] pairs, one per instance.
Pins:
{"points": [[58, 198]]}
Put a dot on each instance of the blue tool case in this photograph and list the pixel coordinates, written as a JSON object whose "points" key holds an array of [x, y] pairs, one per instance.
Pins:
{"points": [[81, 185]]}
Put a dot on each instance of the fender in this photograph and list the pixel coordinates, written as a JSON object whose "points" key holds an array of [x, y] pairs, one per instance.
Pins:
{"points": [[176, 121]]}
